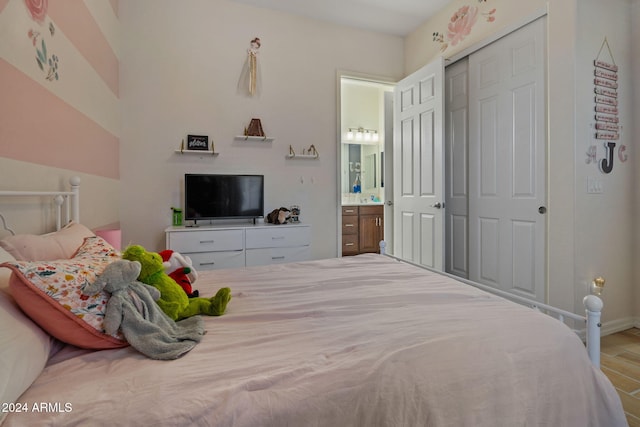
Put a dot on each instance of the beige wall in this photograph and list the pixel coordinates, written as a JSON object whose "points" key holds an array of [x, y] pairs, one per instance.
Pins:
{"points": [[589, 234], [604, 222], [179, 73]]}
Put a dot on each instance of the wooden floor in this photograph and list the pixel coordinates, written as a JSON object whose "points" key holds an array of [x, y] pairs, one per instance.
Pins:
{"points": [[620, 361]]}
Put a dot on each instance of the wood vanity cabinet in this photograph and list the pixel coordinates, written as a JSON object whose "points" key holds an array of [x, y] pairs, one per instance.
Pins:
{"points": [[350, 231], [362, 229]]}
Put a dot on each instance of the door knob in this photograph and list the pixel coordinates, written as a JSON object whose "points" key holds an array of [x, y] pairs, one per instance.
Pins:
{"points": [[389, 203], [438, 205]]}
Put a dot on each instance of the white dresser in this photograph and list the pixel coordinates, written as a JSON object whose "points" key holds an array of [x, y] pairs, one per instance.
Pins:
{"points": [[229, 246]]}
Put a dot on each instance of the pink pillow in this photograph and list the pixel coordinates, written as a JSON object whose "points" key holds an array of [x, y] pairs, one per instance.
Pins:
{"points": [[57, 245], [49, 292]]}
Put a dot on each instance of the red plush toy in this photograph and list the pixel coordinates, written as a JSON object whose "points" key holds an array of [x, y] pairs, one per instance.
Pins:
{"points": [[180, 269]]}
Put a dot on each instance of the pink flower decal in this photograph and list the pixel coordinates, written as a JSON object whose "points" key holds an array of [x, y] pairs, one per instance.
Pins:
{"points": [[461, 24], [37, 9]]}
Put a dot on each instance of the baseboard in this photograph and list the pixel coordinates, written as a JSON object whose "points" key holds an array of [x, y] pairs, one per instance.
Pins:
{"points": [[618, 325]]}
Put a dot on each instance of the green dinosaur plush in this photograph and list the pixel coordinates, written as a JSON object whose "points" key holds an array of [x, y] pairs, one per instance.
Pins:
{"points": [[173, 300]]}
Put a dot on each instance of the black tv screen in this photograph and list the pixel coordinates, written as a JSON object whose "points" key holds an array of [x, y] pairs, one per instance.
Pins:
{"points": [[209, 196]]}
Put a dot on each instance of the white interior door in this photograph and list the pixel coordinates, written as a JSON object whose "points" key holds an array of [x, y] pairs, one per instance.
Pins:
{"points": [[507, 167], [456, 165], [418, 166]]}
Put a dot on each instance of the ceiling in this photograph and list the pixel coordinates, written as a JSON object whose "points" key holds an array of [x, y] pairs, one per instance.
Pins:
{"points": [[398, 17]]}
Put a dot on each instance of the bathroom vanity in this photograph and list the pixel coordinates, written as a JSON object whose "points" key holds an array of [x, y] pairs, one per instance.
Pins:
{"points": [[362, 228]]}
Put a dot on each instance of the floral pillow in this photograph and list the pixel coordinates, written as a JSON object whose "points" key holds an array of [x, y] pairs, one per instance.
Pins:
{"points": [[50, 293]]}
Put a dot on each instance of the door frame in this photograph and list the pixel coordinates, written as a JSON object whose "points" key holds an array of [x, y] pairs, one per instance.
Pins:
{"points": [[371, 78]]}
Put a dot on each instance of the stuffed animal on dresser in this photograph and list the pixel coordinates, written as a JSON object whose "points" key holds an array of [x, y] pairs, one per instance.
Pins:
{"points": [[278, 216], [173, 299]]}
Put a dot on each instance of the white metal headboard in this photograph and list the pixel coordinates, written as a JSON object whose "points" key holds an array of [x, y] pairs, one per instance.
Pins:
{"points": [[69, 199]]}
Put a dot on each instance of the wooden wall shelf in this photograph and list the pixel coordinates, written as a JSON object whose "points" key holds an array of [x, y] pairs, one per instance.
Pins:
{"points": [[253, 138], [302, 156], [200, 152]]}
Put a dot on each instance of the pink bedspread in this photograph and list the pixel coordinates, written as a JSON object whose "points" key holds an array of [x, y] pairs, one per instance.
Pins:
{"points": [[359, 341]]}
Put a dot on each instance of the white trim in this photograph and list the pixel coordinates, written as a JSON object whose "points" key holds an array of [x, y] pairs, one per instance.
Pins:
{"points": [[619, 325]]}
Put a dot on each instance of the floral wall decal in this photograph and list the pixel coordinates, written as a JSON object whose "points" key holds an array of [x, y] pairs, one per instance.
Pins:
{"points": [[461, 24], [37, 9], [48, 64]]}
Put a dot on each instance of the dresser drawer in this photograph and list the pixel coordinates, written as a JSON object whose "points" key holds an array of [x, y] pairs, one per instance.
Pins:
{"points": [[277, 255], [206, 241], [215, 260], [278, 237]]}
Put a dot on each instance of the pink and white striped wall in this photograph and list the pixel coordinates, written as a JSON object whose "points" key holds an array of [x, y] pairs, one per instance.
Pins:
{"points": [[59, 84], [59, 100]]}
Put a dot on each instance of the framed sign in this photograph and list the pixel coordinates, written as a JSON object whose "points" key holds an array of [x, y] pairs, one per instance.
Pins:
{"points": [[198, 142]]}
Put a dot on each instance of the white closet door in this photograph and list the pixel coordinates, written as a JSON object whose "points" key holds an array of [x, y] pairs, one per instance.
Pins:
{"points": [[456, 168], [418, 167], [507, 152]]}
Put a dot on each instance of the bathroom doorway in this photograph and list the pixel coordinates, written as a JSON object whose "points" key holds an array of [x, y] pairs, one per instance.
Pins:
{"points": [[365, 141]]}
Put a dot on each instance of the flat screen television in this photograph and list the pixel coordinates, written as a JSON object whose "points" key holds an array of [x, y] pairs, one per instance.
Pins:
{"points": [[209, 196]]}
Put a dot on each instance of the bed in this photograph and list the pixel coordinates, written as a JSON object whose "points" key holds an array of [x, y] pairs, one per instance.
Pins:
{"points": [[356, 341]]}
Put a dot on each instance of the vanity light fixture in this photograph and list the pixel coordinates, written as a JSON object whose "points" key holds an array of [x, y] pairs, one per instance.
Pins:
{"points": [[362, 134], [350, 134]]}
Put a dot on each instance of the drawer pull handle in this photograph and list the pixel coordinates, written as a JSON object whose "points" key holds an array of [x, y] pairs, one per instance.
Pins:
{"points": [[349, 244], [277, 238], [349, 225], [349, 211], [207, 263], [277, 257], [206, 241]]}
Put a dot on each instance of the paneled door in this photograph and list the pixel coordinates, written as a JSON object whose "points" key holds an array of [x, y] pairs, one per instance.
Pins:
{"points": [[507, 163], [456, 168], [418, 167]]}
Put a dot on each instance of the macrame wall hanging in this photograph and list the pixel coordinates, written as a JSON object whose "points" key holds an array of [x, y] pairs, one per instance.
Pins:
{"points": [[249, 82]]}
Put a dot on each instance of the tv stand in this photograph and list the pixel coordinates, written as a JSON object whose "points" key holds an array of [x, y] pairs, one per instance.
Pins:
{"points": [[243, 245]]}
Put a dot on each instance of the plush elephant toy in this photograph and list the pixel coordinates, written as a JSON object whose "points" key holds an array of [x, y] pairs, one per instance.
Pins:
{"points": [[132, 309]]}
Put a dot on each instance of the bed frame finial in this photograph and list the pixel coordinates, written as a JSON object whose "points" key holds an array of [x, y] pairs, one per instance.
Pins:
{"points": [[74, 182], [593, 306]]}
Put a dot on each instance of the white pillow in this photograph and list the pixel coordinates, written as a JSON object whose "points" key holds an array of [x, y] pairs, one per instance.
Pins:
{"points": [[5, 272], [24, 347], [60, 244]]}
